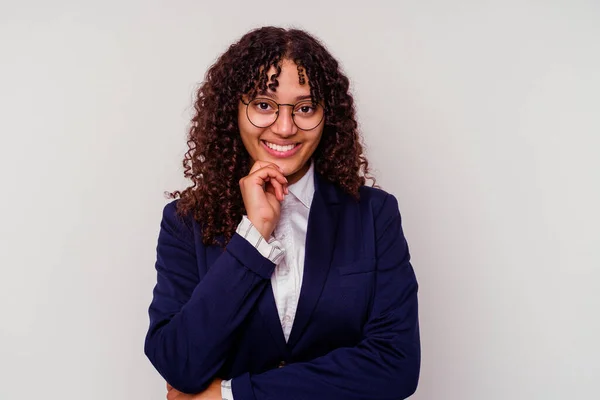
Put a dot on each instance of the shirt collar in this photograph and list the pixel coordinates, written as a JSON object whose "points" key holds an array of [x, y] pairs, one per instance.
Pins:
{"points": [[304, 189]]}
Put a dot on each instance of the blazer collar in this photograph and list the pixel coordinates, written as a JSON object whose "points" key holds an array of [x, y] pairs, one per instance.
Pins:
{"points": [[328, 191]]}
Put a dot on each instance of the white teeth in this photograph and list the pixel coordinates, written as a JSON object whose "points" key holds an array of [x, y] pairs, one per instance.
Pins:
{"points": [[280, 148]]}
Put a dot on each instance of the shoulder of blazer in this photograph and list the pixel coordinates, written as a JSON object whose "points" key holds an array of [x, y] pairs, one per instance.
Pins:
{"points": [[182, 226], [375, 197], [332, 193]]}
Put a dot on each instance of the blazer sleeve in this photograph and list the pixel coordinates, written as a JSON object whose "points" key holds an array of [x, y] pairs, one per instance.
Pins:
{"points": [[386, 363], [193, 317]]}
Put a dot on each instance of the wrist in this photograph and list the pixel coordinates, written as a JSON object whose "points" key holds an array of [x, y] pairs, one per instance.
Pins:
{"points": [[265, 229], [265, 232]]}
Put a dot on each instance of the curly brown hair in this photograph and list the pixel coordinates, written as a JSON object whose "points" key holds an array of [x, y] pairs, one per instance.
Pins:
{"points": [[217, 159]]}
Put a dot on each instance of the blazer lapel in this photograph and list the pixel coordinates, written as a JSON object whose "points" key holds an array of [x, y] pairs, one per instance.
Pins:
{"points": [[320, 239], [270, 316]]}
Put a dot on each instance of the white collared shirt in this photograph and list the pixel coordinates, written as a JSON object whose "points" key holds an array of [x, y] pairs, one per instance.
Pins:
{"points": [[290, 231]]}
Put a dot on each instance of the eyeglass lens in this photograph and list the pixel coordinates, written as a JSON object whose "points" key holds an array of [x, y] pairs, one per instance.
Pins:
{"points": [[263, 112]]}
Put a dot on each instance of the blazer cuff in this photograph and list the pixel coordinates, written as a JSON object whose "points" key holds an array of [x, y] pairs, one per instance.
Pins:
{"points": [[271, 249], [250, 257], [241, 387]]}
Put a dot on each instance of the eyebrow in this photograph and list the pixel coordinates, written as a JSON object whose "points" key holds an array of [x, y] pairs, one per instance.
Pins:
{"points": [[274, 96]]}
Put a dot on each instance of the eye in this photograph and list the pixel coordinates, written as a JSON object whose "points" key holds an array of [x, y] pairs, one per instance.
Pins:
{"points": [[264, 105], [305, 109]]}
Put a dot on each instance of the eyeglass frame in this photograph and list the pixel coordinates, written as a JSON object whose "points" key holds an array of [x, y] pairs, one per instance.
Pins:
{"points": [[277, 112]]}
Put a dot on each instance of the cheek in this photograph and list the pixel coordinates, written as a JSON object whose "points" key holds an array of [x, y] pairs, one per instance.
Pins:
{"points": [[249, 136], [316, 139], [242, 122], [244, 126], [249, 141]]}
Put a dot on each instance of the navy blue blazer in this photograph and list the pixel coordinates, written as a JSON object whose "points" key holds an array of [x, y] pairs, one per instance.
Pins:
{"points": [[355, 334]]}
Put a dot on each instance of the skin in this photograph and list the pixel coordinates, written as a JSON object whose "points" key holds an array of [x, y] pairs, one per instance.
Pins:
{"points": [[213, 392], [266, 184], [283, 131], [265, 187]]}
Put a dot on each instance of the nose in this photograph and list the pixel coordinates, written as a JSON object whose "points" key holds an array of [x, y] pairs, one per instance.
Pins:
{"points": [[285, 126]]}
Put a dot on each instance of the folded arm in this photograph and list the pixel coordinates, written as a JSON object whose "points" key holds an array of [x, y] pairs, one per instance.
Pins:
{"points": [[193, 318], [385, 364]]}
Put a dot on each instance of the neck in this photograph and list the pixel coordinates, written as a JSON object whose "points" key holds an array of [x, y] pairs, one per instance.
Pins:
{"points": [[296, 176]]}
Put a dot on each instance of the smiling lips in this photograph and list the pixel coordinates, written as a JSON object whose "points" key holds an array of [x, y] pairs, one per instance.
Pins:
{"points": [[281, 151]]}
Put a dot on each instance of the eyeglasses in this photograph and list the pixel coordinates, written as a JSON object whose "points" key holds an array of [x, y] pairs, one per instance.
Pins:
{"points": [[262, 112]]}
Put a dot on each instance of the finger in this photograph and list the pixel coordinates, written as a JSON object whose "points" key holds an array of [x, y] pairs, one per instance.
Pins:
{"points": [[175, 394], [279, 189], [275, 167], [261, 164], [276, 189], [262, 175]]}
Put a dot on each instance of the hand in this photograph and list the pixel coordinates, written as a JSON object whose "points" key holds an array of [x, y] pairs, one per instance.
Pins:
{"points": [[263, 191], [213, 392]]}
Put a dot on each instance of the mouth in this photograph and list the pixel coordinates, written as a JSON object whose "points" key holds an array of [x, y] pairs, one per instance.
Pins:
{"points": [[281, 151]]}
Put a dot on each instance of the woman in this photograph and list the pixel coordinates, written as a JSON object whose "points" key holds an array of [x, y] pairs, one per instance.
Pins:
{"points": [[280, 274]]}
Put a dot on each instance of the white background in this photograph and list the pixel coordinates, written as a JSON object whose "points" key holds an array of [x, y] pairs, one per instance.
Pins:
{"points": [[482, 117]]}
